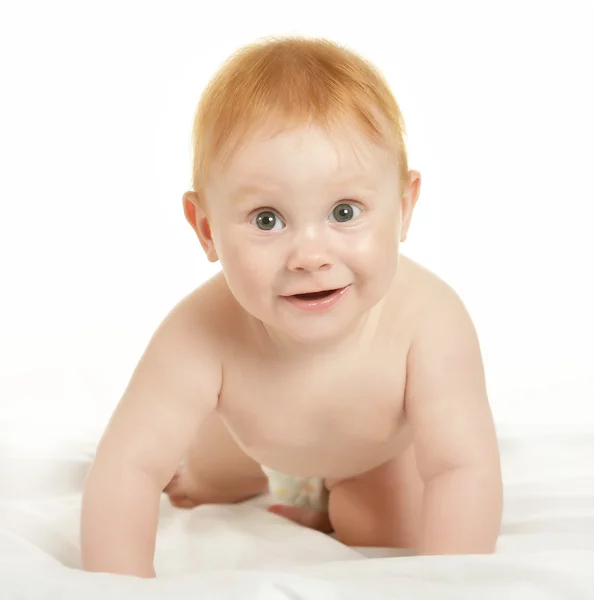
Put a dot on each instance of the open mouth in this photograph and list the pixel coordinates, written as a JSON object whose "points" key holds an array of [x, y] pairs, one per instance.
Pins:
{"points": [[317, 301], [315, 295]]}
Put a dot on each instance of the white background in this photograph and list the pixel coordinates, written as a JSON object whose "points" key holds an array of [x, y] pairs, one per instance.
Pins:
{"points": [[96, 112]]}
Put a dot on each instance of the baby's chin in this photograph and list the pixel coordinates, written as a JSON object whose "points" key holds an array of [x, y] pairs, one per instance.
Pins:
{"points": [[311, 332]]}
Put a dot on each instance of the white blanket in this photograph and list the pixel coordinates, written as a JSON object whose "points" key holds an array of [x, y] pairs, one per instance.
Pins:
{"points": [[546, 549]]}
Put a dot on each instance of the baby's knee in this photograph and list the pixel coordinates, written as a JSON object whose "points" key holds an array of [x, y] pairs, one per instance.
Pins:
{"points": [[367, 515]]}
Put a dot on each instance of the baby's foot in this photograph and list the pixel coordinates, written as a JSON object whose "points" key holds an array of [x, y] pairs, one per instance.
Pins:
{"points": [[308, 517], [182, 491]]}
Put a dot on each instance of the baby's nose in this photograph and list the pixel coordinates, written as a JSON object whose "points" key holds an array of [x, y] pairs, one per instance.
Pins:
{"points": [[309, 264], [310, 253]]}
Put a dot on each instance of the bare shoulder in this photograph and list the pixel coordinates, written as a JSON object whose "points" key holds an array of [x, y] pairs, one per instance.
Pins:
{"points": [[195, 335], [429, 299], [209, 311]]}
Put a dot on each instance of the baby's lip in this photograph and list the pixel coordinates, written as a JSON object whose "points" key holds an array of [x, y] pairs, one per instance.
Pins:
{"points": [[318, 291]]}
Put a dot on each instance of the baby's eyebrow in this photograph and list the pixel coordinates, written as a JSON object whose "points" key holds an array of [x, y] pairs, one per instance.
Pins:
{"points": [[247, 190], [359, 180], [252, 189]]}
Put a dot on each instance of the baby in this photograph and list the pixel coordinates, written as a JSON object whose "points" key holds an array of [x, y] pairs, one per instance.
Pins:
{"points": [[320, 364]]}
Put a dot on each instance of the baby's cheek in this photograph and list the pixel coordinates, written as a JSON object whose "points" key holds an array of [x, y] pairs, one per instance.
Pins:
{"points": [[372, 247], [247, 271], [255, 268], [376, 260]]}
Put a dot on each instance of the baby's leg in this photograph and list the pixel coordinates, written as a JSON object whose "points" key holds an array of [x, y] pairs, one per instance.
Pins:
{"points": [[381, 508], [216, 470]]}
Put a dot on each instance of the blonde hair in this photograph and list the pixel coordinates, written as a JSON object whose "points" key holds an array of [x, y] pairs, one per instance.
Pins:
{"points": [[296, 80]]}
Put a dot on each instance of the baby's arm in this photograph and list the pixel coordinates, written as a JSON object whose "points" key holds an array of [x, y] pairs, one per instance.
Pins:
{"points": [[454, 434], [173, 388]]}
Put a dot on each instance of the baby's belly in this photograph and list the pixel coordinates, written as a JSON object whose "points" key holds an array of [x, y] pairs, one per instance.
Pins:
{"points": [[334, 453]]}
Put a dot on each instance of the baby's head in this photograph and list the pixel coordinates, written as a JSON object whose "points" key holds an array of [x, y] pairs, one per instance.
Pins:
{"points": [[301, 184]]}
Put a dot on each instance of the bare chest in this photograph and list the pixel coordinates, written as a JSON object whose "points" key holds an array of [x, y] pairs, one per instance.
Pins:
{"points": [[329, 417]]}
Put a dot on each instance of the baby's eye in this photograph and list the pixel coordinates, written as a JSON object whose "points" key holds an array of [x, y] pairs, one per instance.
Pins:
{"points": [[345, 212], [267, 221]]}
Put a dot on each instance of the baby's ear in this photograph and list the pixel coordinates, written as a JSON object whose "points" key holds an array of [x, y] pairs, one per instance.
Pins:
{"points": [[409, 200], [196, 216]]}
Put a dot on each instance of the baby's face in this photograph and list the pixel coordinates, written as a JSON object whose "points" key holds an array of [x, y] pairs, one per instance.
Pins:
{"points": [[301, 212]]}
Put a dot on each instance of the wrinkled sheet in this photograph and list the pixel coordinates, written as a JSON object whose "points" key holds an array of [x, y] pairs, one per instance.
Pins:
{"points": [[546, 548]]}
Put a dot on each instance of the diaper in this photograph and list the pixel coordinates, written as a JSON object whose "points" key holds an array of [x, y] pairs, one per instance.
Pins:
{"points": [[304, 492]]}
